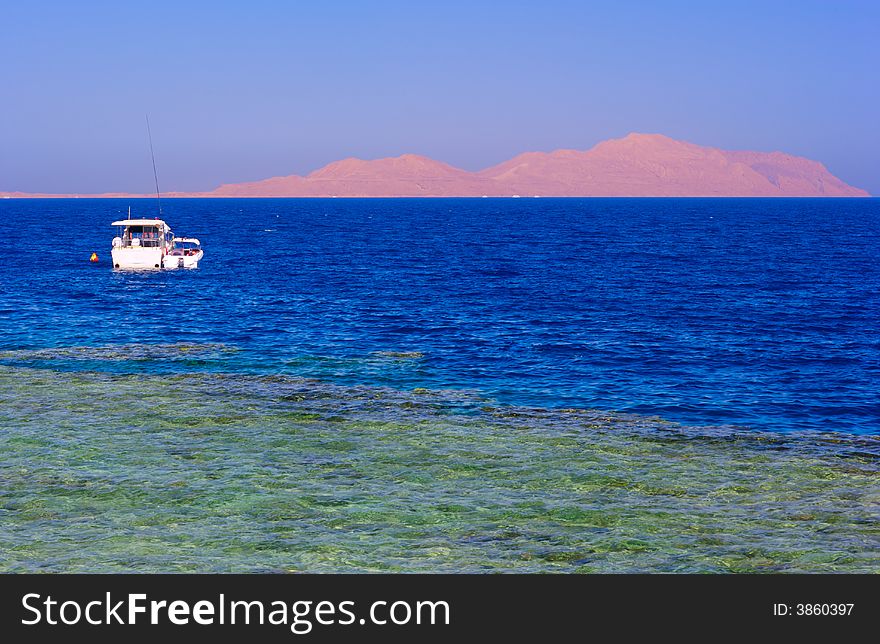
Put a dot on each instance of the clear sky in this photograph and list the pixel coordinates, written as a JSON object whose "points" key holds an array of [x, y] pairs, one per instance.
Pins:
{"points": [[239, 91]]}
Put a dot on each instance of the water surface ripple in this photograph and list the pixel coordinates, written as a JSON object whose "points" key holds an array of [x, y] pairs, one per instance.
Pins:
{"points": [[755, 312]]}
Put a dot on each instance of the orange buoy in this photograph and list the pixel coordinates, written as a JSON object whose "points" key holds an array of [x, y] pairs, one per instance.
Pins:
{"points": [[94, 257]]}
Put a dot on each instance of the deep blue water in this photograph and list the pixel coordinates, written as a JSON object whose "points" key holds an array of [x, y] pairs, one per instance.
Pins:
{"points": [[752, 312]]}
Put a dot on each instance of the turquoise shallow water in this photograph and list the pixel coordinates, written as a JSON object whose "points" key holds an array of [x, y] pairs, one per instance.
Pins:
{"points": [[230, 472]]}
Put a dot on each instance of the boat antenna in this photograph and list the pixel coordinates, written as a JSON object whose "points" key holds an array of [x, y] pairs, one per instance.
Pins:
{"points": [[153, 157]]}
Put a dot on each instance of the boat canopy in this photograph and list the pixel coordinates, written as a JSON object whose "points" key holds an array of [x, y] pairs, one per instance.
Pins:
{"points": [[141, 222], [187, 240]]}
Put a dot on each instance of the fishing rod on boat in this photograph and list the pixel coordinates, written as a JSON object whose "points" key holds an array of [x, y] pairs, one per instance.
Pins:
{"points": [[153, 158]]}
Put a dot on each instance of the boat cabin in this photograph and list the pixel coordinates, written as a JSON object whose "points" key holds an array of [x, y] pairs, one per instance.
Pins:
{"points": [[142, 233]]}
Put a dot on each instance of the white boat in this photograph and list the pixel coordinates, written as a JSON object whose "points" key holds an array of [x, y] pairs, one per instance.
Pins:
{"points": [[185, 253], [145, 244]]}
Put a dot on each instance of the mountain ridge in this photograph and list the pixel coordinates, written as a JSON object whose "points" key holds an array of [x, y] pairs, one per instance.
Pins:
{"points": [[637, 165]]}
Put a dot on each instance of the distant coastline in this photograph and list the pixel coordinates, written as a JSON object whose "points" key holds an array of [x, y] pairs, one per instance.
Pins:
{"points": [[209, 195], [638, 165]]}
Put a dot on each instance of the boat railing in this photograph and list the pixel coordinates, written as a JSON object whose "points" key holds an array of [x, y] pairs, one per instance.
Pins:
{"points": [[144, 239]]}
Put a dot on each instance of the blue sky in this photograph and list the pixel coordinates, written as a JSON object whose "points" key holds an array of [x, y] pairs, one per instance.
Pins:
{"points": [[240, 91]]}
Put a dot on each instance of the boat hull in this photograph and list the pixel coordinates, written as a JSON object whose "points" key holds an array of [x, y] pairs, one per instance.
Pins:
{"points": [[137, 258]]}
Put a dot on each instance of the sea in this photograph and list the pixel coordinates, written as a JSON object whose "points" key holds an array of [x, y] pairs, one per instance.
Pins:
{"points": [[444, 385]]}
